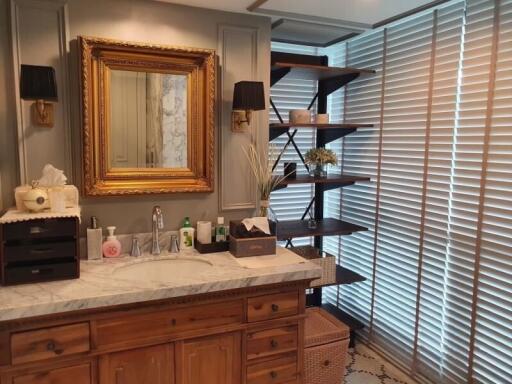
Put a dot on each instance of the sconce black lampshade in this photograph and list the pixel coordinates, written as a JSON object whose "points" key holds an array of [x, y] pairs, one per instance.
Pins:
{"points": [[38, 83], [248, 96]]}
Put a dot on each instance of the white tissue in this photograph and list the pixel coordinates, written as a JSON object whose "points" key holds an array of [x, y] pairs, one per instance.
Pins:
{"points": [[52, 177], [259, 222]]}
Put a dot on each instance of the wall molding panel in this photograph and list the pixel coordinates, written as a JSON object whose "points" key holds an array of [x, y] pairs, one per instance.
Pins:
{"points": [[238, 60], [30, 20]]}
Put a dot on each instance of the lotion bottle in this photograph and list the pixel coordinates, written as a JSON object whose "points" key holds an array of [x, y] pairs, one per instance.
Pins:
{"points": [[94, 240], [220, 230], [186, 236], [111, 246]]}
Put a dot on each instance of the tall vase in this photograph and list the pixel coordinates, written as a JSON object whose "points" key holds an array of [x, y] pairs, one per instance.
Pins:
{"points": [[264, 205]]}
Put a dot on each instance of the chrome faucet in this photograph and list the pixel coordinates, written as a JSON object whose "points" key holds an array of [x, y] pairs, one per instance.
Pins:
{"points": [[158, 224]]}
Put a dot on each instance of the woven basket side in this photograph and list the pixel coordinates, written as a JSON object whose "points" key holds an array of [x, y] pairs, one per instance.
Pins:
{"points": [[321, 329], [325, 364]]}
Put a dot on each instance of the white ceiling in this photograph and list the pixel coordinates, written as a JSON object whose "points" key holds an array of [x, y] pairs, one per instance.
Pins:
{"points": [[351, 12]]}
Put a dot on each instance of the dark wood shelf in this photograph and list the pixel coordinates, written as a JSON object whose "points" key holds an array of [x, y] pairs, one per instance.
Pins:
{"points": [[321, 126], [332, 181], [325, 227], [346, 276], [331, 131], [343, 275], [313, 72]]}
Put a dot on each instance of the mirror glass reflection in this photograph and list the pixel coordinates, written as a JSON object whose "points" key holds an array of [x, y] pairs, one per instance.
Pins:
{"points": [[148, 120]]}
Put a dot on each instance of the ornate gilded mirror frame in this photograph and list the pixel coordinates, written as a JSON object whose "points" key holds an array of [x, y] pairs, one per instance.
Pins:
{"points": [[97, 58]]}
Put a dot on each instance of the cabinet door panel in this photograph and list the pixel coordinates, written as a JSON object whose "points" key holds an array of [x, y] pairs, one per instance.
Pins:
{"points": [[151, 365], [77, 374], [210, 360]]}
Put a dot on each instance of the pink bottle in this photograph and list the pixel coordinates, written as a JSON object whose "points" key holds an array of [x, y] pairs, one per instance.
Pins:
{"points": [[111, 247]]}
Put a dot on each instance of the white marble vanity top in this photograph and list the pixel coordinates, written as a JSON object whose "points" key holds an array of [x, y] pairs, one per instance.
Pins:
{"points": [[100, 286]]}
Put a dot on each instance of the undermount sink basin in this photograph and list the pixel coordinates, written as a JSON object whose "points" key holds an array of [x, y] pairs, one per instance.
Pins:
{"points": [[163, 269]]}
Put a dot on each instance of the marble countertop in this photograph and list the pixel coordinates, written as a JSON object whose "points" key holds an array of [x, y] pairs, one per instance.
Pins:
{"points": [[110, 282]]}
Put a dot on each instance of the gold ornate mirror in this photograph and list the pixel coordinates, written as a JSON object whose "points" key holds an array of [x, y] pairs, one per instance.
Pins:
{"points": [[148, 117]]}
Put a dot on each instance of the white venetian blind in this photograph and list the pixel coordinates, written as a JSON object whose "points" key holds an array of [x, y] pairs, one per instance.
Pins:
{"points": [[440, 348], [291, 202], [438, 253], [405, 108], [360, 157], [492, 360]]}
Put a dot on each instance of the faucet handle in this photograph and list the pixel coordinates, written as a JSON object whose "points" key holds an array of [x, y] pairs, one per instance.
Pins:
{"points": [[135, 247], [174, 247]]}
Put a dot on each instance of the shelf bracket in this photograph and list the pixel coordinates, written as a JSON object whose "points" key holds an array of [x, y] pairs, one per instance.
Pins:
{"points": [[290, 140], [297, 149], [308, 209], [276, 111], [313, 101]]}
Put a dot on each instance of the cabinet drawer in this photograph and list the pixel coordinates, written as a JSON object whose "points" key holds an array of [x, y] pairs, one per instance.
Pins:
{"points": [[42, 251], [41, 272], [161, 323], [77, 374], [272, 306], [271, 341], [49, 343], [40, 229], [275, 371]]}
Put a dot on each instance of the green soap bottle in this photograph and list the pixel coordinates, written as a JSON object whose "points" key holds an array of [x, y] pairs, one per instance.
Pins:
{"points": [[187, 235]]}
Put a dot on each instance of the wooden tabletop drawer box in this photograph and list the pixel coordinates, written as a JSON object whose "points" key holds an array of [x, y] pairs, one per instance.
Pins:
{"points": [[34, 251], [47, 343], [269, 307]]}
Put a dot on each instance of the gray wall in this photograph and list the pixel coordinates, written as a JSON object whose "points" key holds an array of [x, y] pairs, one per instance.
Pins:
{"points": [[44, 32], [8, 156]]}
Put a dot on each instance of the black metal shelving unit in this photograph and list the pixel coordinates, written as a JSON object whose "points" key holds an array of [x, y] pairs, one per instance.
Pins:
{"points": [[329, 79]]}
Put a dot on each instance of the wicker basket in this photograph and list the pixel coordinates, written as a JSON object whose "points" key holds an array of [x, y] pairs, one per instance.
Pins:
{"points": [[326, 342], [327, 262]]}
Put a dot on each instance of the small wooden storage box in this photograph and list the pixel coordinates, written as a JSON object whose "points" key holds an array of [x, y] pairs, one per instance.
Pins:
{"points": [[326, 342], [251, 246]]}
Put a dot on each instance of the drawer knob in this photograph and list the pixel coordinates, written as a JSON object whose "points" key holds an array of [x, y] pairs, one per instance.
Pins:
{"points": [[273, 374], [327, 363], [274, 307], [173, 322], [274, 343], [51, 346]]}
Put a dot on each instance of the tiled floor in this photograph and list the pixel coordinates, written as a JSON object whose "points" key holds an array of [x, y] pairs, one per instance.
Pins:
{"points": [[366, 367]]}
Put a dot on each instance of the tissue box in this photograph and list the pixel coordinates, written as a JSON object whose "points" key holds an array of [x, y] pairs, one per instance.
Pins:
{"points": [[70, 191], [251, 246]]}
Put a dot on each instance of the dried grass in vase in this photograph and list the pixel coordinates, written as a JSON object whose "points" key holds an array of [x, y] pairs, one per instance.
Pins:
{"points": [[262, 171]]}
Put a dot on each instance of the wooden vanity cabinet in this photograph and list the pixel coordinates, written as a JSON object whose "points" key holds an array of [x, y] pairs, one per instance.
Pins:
{"points": [[212, 360], [149, 365], [245, 336], [74, 374]]}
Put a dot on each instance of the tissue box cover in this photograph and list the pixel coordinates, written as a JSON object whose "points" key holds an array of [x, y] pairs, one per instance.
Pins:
{"points": [[251, 246], [70, 191]]}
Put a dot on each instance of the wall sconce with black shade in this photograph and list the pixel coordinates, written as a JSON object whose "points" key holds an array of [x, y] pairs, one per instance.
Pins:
{"points": [[248, 96], [38, 83]]}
